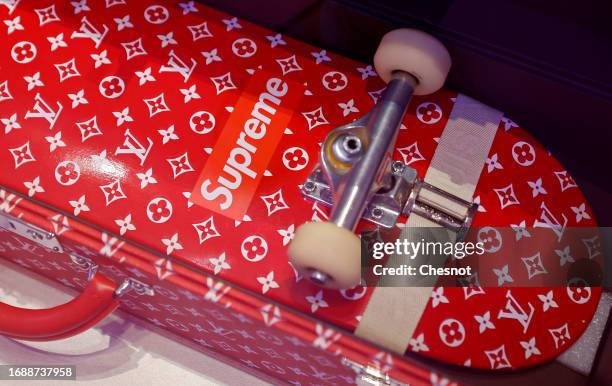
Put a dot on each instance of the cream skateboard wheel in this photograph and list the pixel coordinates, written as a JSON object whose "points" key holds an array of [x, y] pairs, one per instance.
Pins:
{"points": [[416, 53], [327, 254]]}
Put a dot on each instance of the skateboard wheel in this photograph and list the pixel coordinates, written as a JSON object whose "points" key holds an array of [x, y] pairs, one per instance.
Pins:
{"points": [[327, 254], [416, 53]]}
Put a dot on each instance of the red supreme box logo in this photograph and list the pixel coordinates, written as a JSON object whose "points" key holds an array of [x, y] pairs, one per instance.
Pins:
{"points": [[231, 175]]}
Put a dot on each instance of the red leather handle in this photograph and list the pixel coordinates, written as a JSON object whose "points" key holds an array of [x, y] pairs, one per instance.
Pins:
{"points": [[64, 321]]}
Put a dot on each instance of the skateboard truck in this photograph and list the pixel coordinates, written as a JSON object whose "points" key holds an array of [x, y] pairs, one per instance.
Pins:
{"points": [[357, 177], [400, 197]]}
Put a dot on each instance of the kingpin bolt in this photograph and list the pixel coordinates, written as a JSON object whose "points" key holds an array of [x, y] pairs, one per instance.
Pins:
{"points": [[351, 144]]}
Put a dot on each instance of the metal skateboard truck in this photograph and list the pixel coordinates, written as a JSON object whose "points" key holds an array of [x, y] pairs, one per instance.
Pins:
{"points": [[356, 175]]}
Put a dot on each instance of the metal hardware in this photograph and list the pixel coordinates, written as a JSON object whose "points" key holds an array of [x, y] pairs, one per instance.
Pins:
{"points": [[85, 264], [429, 210], [356, 158], [49, 240], [402, 197], [384, 207], [138, 287], [370, 376], [31, 232], [91, 267], [357, 178]]}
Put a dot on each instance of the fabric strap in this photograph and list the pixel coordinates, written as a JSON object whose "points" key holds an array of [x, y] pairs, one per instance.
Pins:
{"points": [[393, 312]]}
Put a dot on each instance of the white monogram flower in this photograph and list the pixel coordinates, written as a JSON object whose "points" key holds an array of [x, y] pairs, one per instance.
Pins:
{"points": [[548, 301], [348, 107], [267, 282], [316, 302], [146, 178], [55, 141], [79, 205], [366, 72], [78, 98], [564, 256], [33, 81], [168, 134], [508, 124], [167, 39], [520, 230], [188, 7], [172, 243], [536, 187], [80, 6], [231, 24], [123, 22], [287, 234], [145, 76], [530, 348], [125, 224], [320, 56], [123, 116], [219, 264], [276, 40], [10, 123], [581, 212], [14, 25], [100, 59], [57, 41], [437, 297], [418, 344], [34, 187], [502, 275], [493, 163], [211, 56], [190, 93], [484, 322]]}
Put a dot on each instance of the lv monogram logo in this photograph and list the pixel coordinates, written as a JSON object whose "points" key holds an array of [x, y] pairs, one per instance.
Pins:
{"points": [[89, 31], [44, 111], [132, 146], [548, 220], [514, 310], [8, 201], [111, 245], [176, 64]]}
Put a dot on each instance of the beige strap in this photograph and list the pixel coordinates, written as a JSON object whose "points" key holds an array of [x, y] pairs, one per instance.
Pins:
{"points": [[393, 313]]}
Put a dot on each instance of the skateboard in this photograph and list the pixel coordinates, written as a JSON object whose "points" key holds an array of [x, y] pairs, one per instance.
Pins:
{"points": [[196, 144]]}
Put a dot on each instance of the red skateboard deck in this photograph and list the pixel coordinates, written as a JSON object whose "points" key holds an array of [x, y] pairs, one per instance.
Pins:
{"points": [[130, 117]]}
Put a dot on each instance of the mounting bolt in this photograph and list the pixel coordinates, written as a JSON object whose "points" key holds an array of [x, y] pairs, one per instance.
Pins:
{"points": [[309, 186], [398, 167], [377, 213]]}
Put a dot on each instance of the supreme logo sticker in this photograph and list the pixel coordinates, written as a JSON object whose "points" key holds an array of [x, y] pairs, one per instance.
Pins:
{"points": [[232, 174]]}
